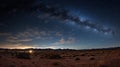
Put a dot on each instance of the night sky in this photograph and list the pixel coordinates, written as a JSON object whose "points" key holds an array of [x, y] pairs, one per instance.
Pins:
{"points": [[73, 24]]}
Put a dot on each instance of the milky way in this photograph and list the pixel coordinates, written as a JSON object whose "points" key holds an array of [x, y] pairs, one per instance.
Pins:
{"points": [[51, 10], [64, 15], [59, 23]]}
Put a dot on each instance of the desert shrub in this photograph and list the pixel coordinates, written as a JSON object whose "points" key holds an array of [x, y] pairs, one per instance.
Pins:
{"points": [[23, 66], [13, 62], [23, 56], [53, 56], [77, 58], [92, 55], [82, 54], [114, 63], [103, 65], [111, 63], [21, 62], [12, 54], [75, 55], [92, 58], [57, 64], [33, 62], [12, 65]]}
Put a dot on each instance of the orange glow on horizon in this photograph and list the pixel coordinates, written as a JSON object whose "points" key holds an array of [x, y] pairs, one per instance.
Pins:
{"points": [[17, 47]]}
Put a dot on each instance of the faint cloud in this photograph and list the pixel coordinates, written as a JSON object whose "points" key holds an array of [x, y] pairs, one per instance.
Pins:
{"points": [[4, 34], [67, 41], [71, 40], [58, 34], [28, 35], [63, 41], [12, 37], [25, 40], [17, 40]]}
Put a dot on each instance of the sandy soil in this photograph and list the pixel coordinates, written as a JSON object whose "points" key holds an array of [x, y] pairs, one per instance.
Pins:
{"points": [[60, 58]]}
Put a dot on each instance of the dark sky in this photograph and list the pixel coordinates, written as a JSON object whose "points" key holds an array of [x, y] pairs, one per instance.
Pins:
{"points": [[74, 24]]}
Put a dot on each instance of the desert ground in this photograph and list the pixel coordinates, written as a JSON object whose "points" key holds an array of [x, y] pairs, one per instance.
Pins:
{"points": [[109, 57]]}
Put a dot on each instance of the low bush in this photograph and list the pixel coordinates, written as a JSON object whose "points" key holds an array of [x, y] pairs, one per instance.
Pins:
{"points": [[53, 56], [114, 63], [12, 65], [92, 58], [82, 54], [111, 63], [103, 65], [77, 58], [23, 56], [56, 63]]}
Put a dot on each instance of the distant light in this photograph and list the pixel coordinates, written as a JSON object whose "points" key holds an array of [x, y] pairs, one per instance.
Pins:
{"points": [[30, 51]]}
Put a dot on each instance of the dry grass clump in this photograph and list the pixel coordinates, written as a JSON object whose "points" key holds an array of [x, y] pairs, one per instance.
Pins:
{"points": [[23, 56], [53, 56], [57, 64], [82, 54], [0, 56], [102, 65], [92, 58], [23, 66], [114, 63], [111, 63], [77, 59], [12, 65]]}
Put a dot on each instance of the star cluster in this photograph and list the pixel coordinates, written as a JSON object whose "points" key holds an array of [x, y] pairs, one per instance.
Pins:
{"points": [[42, 24]]}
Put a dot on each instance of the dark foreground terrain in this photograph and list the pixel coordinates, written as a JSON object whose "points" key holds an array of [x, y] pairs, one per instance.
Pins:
{"points": [[60, 58]]}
